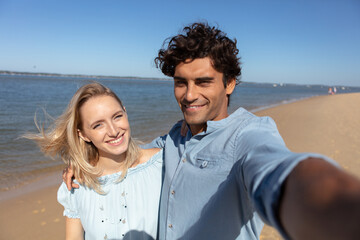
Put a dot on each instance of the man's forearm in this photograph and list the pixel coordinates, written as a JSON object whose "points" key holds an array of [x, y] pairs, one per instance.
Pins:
{"points": [[320, 201]]}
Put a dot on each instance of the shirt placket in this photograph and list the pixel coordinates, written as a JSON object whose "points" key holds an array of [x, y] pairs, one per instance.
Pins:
{"points": [[171, 225], [171, 228]]}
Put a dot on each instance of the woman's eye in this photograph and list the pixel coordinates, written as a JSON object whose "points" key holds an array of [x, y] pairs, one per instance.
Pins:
{"points": [[118, 116], [96, 126]]}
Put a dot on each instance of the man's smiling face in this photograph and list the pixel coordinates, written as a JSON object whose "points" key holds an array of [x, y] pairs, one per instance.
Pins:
{"points": [[200, 93]]}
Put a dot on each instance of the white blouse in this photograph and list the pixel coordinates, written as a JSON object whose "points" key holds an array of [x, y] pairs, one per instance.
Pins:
{"points": [[128, 210]]}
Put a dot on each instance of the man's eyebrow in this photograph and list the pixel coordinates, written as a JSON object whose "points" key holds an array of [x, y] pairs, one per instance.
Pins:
{"points": [[179, 78], [204, 78], [196, 79]]}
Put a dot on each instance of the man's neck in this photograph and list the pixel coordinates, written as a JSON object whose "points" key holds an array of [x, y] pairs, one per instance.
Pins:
{"points": [[196, 129]]}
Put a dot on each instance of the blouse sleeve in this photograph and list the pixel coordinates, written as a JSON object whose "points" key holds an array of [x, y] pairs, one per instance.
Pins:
{"points": [[68, 200]]}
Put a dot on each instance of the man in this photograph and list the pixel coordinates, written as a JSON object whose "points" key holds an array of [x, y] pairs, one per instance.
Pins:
{"points": [[229, 171]]}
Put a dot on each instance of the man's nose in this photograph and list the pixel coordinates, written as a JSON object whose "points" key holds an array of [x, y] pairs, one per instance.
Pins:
{"points": [[191, 93]]}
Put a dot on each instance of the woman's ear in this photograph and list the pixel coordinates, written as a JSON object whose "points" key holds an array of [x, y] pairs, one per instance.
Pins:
{"points": [[83, 137]]}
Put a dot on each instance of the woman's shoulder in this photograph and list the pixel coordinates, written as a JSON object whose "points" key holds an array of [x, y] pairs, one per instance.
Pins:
{"points": [[152, 157], [147, 154]]}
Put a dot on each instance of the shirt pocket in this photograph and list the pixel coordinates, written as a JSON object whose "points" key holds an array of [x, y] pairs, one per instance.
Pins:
{"points": [[207, 161], [216, 164]]}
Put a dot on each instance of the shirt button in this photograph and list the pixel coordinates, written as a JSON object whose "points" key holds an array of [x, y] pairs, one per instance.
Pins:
{"points": [[172, 192], [170, 225], [184, 160], [204, 164]]}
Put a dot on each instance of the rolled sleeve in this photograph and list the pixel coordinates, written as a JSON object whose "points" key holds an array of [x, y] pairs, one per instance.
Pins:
{"points": [[265, 168]]}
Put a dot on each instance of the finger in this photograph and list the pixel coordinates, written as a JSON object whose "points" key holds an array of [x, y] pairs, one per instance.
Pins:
{"points": [[68, 181], [74, 185]]}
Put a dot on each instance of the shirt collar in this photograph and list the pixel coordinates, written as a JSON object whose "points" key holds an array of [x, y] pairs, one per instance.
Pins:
{"points": [[214, 125]]}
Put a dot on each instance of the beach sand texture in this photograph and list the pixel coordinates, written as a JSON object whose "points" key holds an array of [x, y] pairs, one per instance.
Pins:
{"points": [[325, 124], [329, 125]]}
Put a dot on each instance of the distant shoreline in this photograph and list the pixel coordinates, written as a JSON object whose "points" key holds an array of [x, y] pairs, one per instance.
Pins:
{"points": [[42, 74], [77, 75]]}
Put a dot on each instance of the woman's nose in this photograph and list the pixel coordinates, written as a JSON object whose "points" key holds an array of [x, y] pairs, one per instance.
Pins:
{"points": [[112, 130]]}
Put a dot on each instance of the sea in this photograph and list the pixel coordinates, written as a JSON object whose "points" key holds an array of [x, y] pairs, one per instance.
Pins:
{"points": [[150, 104]]}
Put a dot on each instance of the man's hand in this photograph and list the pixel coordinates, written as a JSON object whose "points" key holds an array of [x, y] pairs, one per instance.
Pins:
{"points": [[68, 176]]}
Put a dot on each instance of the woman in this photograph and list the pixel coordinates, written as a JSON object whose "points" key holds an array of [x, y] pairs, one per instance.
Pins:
{"points": [[120, 183]]}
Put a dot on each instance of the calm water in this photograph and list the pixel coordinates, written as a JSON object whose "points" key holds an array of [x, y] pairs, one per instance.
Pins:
{"points": [[150, 104]]}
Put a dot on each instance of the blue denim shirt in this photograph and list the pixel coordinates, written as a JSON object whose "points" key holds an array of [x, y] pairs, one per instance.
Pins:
{"points": [[219, 184]]}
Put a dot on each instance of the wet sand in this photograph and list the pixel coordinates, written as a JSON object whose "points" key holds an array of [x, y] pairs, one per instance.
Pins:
{"points": [[325, 124]]}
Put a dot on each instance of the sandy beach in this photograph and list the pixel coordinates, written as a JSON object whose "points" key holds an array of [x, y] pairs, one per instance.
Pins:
{"points": [[327, 124]]}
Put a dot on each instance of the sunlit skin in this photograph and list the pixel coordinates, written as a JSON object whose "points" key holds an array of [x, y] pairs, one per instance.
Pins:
{"points": [[200, 93], [105, 124]]}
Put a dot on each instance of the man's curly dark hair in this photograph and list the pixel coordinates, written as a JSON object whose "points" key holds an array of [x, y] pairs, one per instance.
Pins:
{"points": [[198, 41]]}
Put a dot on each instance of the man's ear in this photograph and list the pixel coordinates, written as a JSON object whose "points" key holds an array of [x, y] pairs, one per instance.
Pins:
{"points": [[230, 86], [83, 137]]}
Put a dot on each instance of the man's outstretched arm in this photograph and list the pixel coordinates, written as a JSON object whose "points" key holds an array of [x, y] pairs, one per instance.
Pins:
{"points": [[320, 201]]}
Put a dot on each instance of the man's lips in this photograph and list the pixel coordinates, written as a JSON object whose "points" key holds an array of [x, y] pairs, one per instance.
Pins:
{"points": [[194, 107]]}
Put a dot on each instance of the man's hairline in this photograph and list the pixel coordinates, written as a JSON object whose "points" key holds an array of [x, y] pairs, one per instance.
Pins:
{"points": [[189, 60]]}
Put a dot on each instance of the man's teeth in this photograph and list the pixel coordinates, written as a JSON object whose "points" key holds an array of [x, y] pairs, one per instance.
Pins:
{"points": [[193, 106], [116, 140]]}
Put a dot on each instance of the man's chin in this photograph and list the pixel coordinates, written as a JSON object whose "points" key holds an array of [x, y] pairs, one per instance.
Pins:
{"points": [[191, 121], [194, 122]]}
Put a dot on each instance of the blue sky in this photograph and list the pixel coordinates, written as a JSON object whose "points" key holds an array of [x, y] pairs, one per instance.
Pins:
{"points": [[304, 42]]}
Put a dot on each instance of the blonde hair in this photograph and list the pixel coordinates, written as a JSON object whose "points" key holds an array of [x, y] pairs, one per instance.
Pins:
{"points": [[61, 139]]}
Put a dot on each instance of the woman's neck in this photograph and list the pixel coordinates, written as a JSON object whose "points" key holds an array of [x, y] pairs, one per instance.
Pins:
{"points": [[110, 165]]}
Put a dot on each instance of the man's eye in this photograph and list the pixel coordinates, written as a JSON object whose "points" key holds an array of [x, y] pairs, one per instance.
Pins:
{"points": [[203, 83], [118, 116], [179, 83]]}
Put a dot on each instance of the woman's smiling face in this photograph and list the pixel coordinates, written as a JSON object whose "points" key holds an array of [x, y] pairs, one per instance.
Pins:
{"points": [[105, 124]]}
